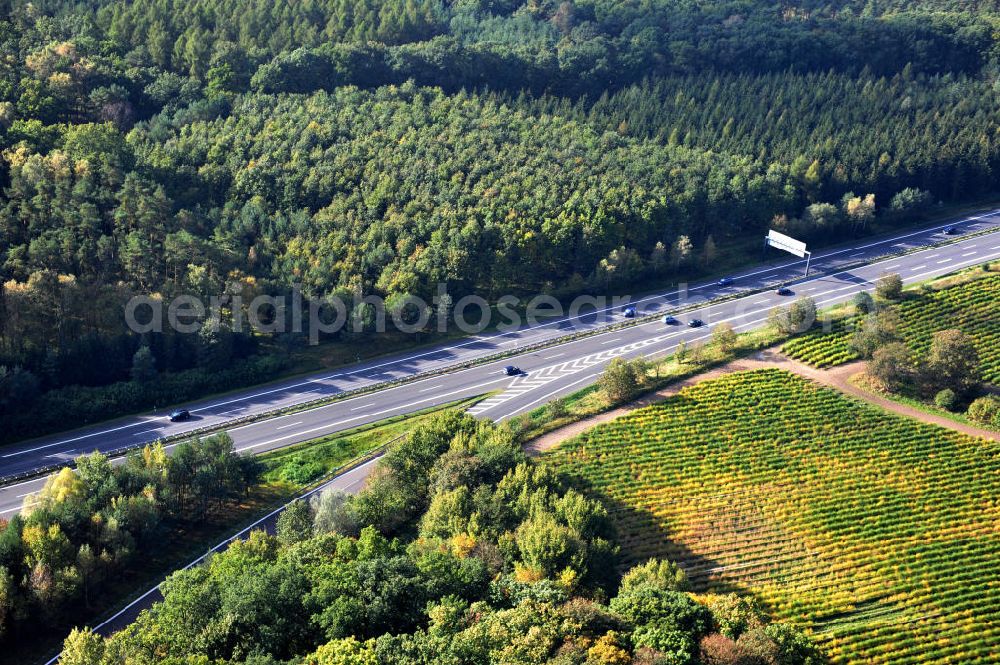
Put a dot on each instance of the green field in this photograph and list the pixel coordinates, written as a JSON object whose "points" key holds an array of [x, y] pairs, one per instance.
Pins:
{"points": [[304, 463], [824, 348], [972, 306], [879, 534]]}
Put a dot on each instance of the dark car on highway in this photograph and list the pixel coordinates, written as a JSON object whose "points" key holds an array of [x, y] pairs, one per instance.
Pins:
{"points": [[784, 291], [511, 370], [726, 281], [696, 323], [629, 312], [179, 415], [951, 230], [670, 320]]}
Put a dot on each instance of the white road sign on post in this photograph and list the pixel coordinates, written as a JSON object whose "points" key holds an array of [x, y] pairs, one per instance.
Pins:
{"points": [[788, 244]]}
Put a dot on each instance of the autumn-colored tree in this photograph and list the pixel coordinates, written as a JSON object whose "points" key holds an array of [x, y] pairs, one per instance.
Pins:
{"points": [[724, 337], [952, 362]]}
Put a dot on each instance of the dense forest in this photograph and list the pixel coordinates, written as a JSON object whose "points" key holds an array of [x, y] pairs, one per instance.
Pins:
{"points": [[460, 551], [96, 521], [381, 147]]}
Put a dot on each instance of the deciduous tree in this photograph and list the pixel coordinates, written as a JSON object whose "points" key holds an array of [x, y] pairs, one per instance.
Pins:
{"points": [[952, 362]]}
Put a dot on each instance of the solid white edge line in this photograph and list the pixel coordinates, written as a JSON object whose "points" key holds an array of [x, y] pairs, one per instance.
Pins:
{"points": [[708, 308], [544, 397], [225, 542], [231, 539], [741, 325], [367, 415], [477, 339]]}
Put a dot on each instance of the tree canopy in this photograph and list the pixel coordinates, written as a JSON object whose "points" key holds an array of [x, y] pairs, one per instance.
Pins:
{"points": [[483, 557], [98, 520], [223, 148]]}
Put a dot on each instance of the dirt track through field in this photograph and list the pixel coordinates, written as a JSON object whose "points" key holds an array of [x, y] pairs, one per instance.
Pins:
{"points": [[836, 377]]}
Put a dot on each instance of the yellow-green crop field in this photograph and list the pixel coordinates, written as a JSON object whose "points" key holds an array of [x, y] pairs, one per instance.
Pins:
{"points": [[973, 307], [879, 534]]}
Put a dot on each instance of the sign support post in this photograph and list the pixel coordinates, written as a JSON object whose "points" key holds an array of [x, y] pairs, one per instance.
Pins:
{"points": [[788, 244]]}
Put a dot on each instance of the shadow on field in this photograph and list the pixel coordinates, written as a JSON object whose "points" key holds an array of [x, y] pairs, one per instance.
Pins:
{"points": [[641, 537]]}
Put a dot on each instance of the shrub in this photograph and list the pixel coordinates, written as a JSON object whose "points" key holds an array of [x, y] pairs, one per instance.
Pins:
{"points": [[295, 523], [344, 651], [911, 201], [720, 472], [877, 330], [558, 408], [620, 381], [300, 472], [863, 303], [798, 318], [607, 650], [984, 410], [891, 365], [793, 645], [673, 611], [676, 644], [952, 362], [661, 573], [889, 287], [144, 366], [724, 337], [946, 399], [733, 615], [973, 307], [716, 649]]}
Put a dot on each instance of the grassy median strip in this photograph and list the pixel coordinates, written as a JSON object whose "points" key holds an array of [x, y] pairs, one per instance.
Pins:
{"points": [[306, 462], [315, 360]]}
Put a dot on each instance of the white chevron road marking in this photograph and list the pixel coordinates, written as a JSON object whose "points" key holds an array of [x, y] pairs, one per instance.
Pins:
{"points": [[546, 375]]}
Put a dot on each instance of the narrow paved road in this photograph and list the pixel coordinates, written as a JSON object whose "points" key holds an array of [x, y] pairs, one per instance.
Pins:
{"points": [[351, 482], [565, 367]]}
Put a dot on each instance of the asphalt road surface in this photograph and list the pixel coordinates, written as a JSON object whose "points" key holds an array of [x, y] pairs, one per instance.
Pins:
{"points": [[548, 373]]}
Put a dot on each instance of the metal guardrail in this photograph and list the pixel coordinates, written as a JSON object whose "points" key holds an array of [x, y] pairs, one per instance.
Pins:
{"points": [[315, 486], [483, 360]]}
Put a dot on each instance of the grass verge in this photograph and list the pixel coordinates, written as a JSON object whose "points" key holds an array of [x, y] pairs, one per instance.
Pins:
{"points": [[863, 382], [591, 400], [181, 543], [330, 355], [871, 530], [834, 323], [306, 462]]}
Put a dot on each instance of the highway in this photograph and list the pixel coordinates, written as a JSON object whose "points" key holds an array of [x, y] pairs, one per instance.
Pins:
{"points": [[552, 371], [570, 365]]}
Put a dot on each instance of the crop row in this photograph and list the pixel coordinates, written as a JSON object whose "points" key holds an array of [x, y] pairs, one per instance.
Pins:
{"points": [[823, 348], [876, 532], [972, 307]]}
